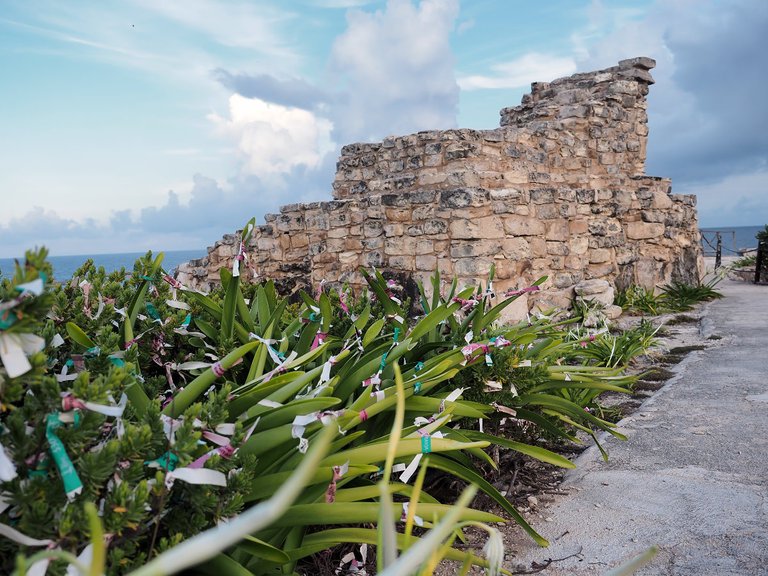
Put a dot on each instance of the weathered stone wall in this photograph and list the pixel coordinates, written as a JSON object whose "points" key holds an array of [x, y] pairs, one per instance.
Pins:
{"points": [[559, 190]]}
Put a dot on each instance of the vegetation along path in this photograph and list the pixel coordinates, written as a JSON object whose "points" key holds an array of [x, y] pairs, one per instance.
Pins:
{"points": [[692, 479]]}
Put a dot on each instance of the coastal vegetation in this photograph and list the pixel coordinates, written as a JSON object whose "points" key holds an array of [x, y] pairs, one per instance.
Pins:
{"points": [[147, 428]]}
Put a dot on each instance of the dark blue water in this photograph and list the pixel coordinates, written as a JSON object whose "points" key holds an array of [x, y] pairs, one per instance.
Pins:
{"points": [[735, 238], [65, 266]]}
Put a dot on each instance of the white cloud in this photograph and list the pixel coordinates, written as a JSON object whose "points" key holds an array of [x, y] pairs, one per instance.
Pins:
{"points": [[531, 67], [736, 200], [229, 23], [339, 3], [274, 139], [397, 70]]}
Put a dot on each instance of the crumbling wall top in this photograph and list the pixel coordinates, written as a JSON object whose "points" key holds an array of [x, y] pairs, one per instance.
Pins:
{"points": [[583, 130]]}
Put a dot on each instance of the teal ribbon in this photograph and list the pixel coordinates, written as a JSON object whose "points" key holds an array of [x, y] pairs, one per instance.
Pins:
{"points": [[396, 334], [72, 484], [426, 444], [152, 311], [167, 461], [383, 362], [419, 366], [417, 388], [119, 362], [7, 319], [312, 317], [187, 321]]}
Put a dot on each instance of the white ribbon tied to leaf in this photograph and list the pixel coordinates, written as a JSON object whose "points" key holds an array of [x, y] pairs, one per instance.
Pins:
{"points": [[14, 349]]}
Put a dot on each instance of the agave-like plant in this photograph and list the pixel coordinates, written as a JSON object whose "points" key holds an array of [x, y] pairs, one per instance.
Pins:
{"points": [[226, 396]]}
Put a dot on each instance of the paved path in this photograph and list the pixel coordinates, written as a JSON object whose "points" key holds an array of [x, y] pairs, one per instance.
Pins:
{"points": [[693, 476]]}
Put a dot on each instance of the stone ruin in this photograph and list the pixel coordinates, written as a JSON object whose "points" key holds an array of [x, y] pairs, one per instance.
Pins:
{"points": [[559, 189]]}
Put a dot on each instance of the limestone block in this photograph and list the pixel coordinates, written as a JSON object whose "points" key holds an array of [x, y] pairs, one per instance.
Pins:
{"points": [[557, 230], [349, 258], [591, 287], [462, 197], [414, 230], [299, 240], [423, 212], [538, 246], [487, 227], [400, 245], [511, 195], [557, 248], [334, 244], [469, 249], [647, 272], [373, 243], [546, 300], [644, 230], [353, 244], [505, 269], [472, 266], [658, 216], [599, 270], [576, 227], [595, 291], [523, 226], [426, 262], [515, 312], [516, 248], [563, 280], [548, 211], [543, 195], [599, 255], [391, 230], [397, 215], [373, 258], [402, 262]]}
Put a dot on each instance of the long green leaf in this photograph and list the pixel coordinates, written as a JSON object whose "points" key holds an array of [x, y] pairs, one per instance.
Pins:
{"points": [[80, 337], [441, 463], [534, 451]]}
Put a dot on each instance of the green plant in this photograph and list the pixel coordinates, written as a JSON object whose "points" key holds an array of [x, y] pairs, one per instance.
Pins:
{"points": [[762, 235], [639, 300], [745, 261], [613, 350], [274, 402], [680, 297], [225, 396]]}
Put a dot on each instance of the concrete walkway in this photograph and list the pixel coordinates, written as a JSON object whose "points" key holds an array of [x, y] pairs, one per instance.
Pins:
{"points": [[693, 477]]}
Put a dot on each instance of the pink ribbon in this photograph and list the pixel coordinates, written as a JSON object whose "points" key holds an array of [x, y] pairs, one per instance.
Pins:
{"points": [[466, 304], [522, 291], [319, 339], [470, 348]]}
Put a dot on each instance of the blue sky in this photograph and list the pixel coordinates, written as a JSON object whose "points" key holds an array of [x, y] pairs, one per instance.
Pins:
{"points": [[142, 124]]}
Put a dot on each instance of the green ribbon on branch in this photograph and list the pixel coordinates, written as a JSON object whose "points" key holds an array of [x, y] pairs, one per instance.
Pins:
{"points": [[72, 483]]}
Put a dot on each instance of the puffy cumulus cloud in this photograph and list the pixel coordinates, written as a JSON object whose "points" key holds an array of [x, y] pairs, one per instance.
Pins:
{"points": [[393, 70], [531, 67], [397, 70], [707, 124], [274, 139]]}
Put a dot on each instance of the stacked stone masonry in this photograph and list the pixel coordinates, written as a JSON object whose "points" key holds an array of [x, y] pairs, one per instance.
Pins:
{"points": [[558, 189]]}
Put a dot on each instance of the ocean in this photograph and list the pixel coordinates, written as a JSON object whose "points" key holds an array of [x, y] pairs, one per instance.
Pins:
{"points": [[735, 239], [64, 266]]}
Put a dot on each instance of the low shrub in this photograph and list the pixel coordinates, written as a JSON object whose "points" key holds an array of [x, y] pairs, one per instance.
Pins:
{"points": [[170, 411]]}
